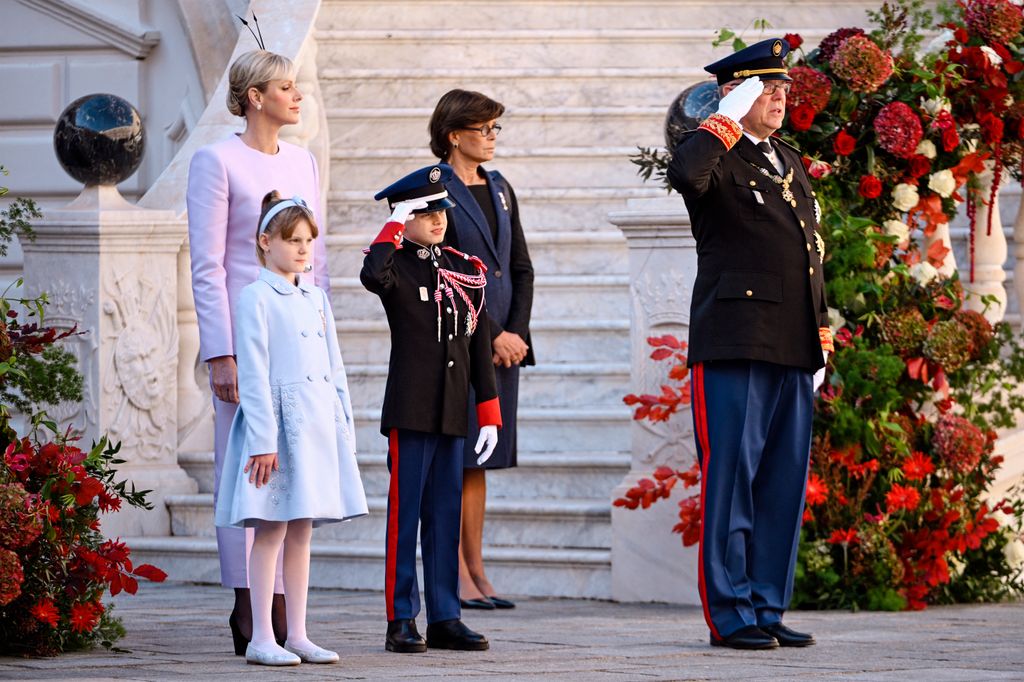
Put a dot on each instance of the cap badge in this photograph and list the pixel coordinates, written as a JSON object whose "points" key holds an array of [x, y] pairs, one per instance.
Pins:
{"points": [[777, 48], [435, 174]]}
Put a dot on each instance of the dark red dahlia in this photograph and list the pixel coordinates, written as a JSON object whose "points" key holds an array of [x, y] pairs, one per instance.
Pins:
{"points": [[898, 129]]}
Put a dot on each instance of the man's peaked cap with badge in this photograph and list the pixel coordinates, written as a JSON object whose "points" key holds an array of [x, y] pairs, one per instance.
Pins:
{"points": [[765, 59], [426, 184]]}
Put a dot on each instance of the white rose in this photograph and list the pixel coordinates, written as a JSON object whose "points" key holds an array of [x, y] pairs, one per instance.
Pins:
{"points": [[898, 229], [1014, 553], [993, 57], [942, 183], [923, 272], [927, 149], [934, 105], [904, 197]]}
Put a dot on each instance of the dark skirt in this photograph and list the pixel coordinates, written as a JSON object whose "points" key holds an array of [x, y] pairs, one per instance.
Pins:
{"points": [[504, 455]]}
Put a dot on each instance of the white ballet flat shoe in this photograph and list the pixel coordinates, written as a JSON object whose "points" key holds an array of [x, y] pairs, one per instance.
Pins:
{"points": [[314, 654], [275, 656]]}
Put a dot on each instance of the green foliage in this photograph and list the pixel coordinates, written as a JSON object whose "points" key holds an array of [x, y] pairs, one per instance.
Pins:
{"points": [[15, 219], [44, 380]]}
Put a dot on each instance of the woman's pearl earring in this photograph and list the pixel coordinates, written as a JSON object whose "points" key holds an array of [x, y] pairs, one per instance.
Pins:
{"points": [[259, 107]]}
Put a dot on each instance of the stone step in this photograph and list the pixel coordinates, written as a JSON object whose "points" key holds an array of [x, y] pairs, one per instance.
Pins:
{"points": [[549, 47], [585, 14], [526, 571], [556, 523], [554, 253], [515, 87], [370, 169], [554, 297], [542, 210], [590, 475], [366, 341], [522, 126], [542, 386], [598, 429]]}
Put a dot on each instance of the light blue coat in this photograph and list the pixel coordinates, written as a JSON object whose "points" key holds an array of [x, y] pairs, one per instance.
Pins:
{"points": [[294, 401]]}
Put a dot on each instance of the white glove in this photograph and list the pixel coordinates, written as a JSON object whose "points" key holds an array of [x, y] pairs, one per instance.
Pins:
{"points": [[819, 376], [486, 442], [403, 210], [737, 103]]}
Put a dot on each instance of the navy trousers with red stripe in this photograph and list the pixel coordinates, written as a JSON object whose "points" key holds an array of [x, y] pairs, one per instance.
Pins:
{"points": [[425, 493], [752, 421]]}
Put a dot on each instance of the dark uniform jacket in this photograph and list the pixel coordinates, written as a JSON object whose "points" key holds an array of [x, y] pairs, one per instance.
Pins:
{"points": [[429, 380], [509, 269], [759, 292]]}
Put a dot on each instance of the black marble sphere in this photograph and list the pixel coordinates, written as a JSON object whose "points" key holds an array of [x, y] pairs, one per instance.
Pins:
{"points": [[99, 139], [692, 106]]}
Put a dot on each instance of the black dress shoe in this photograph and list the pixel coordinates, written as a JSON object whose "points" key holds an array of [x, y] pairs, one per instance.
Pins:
{"points": [[749, 637], [788, 637], [453, 634], [500, 603], [483, 603], [403, 638]]}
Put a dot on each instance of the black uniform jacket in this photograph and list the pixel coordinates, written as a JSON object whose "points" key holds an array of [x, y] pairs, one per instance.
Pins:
{"points": [[759, 292], [428, 380]]}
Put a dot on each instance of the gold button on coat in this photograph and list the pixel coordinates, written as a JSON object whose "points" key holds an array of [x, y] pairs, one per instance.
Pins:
{"points": [[749, 292], [811, 270]]}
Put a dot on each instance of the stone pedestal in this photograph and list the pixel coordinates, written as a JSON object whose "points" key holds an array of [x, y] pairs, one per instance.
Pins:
{"points": [[990, 251], [649, 562], [110, 268]]}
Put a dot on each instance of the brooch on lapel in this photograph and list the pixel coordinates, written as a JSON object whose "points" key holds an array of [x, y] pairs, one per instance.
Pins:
{"points": [[504, 204]]}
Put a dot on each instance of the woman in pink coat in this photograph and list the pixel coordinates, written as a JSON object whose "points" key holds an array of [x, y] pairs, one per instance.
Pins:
{"points": [[226, 183]]}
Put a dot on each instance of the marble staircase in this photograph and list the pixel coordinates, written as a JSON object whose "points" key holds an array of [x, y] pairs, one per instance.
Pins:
{"points": [[584, 83]]}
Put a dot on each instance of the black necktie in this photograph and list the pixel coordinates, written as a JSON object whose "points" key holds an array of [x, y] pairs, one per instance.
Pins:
{"points": [[765, 147]]}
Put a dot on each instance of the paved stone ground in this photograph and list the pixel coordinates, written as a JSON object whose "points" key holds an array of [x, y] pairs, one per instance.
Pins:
{"points": [[179, 632]]}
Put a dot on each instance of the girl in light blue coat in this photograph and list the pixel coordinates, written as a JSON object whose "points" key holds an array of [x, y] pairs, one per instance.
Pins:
{"points": [[290, 463]]}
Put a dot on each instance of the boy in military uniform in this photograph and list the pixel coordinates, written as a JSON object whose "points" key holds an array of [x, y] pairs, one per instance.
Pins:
{"points": [[440, 345], [758, 335]]}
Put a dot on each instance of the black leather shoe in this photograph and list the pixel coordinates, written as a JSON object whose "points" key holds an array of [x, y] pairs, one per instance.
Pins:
{"points": [[500, 603], [403, 638], [788, 637], [484, 603], [453, 634], [749, 637]]}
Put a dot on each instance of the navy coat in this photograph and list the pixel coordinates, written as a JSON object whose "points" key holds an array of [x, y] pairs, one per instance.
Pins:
{"points": [[509, 291]]}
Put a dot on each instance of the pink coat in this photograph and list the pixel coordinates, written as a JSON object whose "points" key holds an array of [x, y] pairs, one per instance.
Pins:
{"points": [[226, 183]]}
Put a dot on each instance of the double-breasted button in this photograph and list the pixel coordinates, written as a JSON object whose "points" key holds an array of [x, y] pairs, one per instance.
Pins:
{"points": [[497, 273], [451, 336], [305, 333], [810, 270], [808, 246], [802, 223], [448, 309], [327, 378], [309, 377], [753, 184], [320, 332], [749, 292], [451, 363]]}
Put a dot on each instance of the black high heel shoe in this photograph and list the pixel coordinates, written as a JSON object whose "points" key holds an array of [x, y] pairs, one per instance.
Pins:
{"points": [[241, 643]]}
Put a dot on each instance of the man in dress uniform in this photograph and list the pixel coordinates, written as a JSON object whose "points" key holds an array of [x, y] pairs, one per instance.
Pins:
{"points": [[759, 338], [440, 345]]}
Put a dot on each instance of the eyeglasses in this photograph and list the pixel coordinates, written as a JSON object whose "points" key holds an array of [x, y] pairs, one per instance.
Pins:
{"points": [[486, 130], [771, 86]]}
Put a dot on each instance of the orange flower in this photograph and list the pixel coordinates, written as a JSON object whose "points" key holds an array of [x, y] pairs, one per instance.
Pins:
{"points": [[817, 491], [843, 537], [85, 617], [46, 612]]}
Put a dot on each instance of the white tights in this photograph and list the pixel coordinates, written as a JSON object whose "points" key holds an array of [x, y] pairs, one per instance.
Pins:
{"points": [[270, 536]]}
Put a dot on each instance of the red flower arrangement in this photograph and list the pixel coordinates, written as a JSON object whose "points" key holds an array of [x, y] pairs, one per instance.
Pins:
{"points": [[870, 187], [830, 43], [898, 129], [810, 87], [958, 443], [862, 64], [844, 143], [902, 498], [801, 117], [997, 21]]}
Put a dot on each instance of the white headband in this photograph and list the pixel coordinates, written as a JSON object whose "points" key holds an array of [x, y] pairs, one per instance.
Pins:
{"points": [[296, 201]]}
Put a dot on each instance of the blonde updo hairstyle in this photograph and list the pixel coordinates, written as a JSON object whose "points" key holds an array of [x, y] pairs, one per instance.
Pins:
{"points": [[254, 69], [283, 223]]}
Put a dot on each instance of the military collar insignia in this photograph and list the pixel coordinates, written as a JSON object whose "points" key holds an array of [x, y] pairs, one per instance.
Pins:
{"points": [[819, 245], [423, 254]]}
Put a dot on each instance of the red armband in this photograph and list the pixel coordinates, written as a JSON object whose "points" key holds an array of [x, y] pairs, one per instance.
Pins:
{"points": [[488, 413], [724, 128], [825, 336], [390, 234]]}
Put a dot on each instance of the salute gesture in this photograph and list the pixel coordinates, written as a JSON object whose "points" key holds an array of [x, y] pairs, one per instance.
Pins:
{"points": [[738, 101]]}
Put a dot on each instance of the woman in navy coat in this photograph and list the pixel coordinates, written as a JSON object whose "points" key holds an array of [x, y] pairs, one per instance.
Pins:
{"points": [[485, 221]]}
